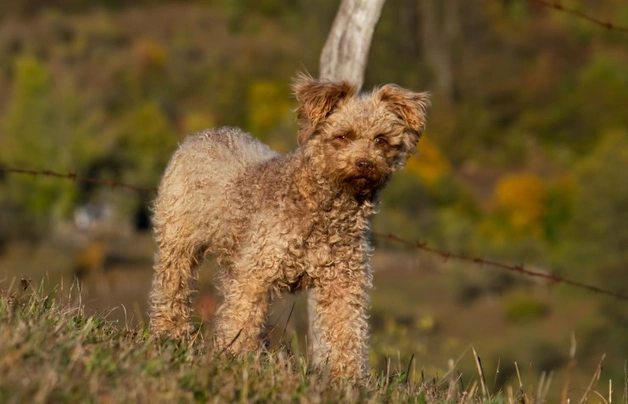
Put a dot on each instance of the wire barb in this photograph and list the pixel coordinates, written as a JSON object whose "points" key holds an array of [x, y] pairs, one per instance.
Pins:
{"points": [[556, 5]]}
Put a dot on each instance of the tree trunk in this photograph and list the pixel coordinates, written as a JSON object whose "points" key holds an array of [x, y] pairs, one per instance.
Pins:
{"points": [[345, 53], [440, 26]]}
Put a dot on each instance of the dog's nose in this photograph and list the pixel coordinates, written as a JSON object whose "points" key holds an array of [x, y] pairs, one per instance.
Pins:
{"points": [[364, 165]]}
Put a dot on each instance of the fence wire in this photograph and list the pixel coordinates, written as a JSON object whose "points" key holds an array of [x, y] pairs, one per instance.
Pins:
{"points": [[423, 246], [557, 5]]}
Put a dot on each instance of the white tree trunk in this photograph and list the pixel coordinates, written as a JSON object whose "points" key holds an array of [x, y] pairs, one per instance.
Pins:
{"points": [[345, 53], [344, 57]]}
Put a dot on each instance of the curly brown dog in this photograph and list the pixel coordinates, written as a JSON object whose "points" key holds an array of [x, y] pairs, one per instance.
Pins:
{"points": [[284, 223]]}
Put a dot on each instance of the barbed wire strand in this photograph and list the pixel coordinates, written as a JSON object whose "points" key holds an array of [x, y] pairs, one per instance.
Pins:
{"points": [[519, 268], [76, 178], [553, 278], [557, 5]]}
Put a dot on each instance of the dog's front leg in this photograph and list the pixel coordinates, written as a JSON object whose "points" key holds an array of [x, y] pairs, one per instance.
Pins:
{"points": [[341, 324]]}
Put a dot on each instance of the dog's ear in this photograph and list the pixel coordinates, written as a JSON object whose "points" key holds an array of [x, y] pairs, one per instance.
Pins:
{"points": [[408, 106], [317, 99]]}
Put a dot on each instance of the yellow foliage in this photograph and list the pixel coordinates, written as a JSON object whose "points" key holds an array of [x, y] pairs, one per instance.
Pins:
{"points": [[522, 197], [195, 121], [92, 257], [425, 323], [268, 105], [429, 164], [150, 54], [490, 230]]}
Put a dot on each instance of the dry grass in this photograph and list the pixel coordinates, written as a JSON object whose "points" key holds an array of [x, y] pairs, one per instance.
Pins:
{"points": [[52, 352]]}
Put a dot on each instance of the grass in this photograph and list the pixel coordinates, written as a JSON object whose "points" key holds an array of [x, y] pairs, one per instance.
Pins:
{"points": [[52, 352]]}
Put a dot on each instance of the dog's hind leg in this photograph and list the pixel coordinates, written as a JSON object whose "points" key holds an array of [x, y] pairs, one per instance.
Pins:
{"points": [[174, 284]]}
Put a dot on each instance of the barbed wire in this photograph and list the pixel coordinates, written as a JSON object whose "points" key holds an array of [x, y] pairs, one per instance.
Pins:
{"points": [[557, 5], [419, 245], [519, 268], [76, 178]]}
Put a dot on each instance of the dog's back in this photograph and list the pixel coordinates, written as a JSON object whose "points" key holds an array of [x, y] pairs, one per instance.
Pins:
{"points": [[213, 158], [195, 184], [226, 151]]}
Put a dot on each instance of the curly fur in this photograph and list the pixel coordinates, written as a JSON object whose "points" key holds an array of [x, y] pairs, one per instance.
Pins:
{"points": [[284, 223]]}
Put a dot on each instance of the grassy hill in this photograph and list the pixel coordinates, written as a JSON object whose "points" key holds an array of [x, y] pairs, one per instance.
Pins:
{"points": [[523, 161], [53, 352]]}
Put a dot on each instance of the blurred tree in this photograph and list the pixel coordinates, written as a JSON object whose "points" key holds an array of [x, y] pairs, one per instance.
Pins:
{"points": [[429, 164], [598, 231], [269, 106], [440, 28], [149, 55], [146, 140], [557, 212], [590, 99], [46, 126], [521, 198], [194, 121], [597, 238]]}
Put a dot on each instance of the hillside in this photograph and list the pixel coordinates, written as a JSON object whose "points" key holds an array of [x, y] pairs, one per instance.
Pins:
{"points": [[523, 161]]}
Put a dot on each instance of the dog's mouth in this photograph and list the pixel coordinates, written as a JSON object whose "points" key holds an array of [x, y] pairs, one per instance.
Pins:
{"points": [[359, 182], [362, 183]]}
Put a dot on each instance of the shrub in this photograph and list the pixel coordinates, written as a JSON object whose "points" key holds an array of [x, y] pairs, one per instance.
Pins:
{"points": [[521, 197], [524, 308], [429, 164]]}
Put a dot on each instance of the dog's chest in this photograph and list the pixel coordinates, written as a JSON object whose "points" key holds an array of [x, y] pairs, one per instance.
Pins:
{"points": [[319, 246]]}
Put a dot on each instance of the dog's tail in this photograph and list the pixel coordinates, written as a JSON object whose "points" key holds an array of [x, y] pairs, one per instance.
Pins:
{"points": [[233, 149]]}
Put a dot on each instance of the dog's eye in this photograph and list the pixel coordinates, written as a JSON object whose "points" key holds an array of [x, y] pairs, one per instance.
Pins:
{"points": [[343, 137], [380, 140]]}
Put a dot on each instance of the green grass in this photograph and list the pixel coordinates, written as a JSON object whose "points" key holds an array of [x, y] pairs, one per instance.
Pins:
{"points": [[51, 351]]}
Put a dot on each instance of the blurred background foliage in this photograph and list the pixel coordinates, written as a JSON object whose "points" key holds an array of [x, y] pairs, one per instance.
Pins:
{"points": [[525, 157]]}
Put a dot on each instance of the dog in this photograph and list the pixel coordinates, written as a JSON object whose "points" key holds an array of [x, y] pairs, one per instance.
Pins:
{"points": [[281, 224]]}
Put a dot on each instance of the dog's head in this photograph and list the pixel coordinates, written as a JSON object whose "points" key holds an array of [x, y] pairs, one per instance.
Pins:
{"points": [[358, 140]]}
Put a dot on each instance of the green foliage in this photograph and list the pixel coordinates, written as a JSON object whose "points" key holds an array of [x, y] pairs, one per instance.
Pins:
{"points": [[405, 198], [521, 307], [269, 111], [425, 202], [597, 235], [589, 101], [596, 238], [557, 213], [525, 207], [145, 142], [45, 126]]}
